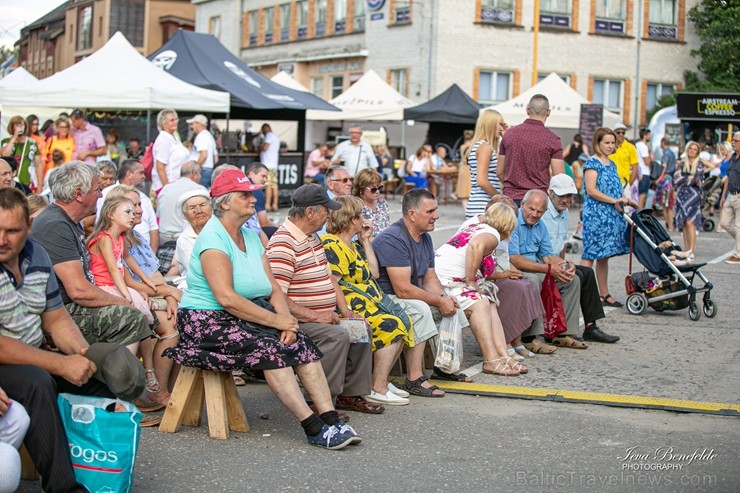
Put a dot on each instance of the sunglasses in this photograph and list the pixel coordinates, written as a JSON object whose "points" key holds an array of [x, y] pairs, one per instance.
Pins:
{"points": [[620, 132], [375, 189], [343, 180]]}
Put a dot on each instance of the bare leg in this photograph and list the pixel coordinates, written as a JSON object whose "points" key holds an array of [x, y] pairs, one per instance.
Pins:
{"points": [[482, 328], [383, 360], [602, 275], [415, 364], [689, 236], [314, 381], [669, 219], [587, 263], [283, 384], [168, 338], [146, 348]]}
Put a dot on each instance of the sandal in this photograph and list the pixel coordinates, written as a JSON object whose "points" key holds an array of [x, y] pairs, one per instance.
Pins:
{"points": [[605, 301], [502, 367], [152, 384], [522, 351], [514, 355], [150, 420], [239, 380], [539, 347], [438, 374], [569, 342], [414, 387], [523, 370]]}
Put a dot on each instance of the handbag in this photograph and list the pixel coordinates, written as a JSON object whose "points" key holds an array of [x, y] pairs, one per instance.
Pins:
{"points": [[656, 170], [449, 345], [102, 443], [554, 321]]}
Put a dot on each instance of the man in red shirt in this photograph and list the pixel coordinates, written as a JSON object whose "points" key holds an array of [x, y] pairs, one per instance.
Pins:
{"points": [[529, 153]]}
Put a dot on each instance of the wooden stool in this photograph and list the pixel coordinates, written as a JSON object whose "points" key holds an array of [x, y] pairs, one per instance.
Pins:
{"points": [[389, 187], [28, 469], [225, 411], [407, 187]]}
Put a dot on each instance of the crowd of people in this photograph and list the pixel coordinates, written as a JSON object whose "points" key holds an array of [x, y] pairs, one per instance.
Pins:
{"points": [[94, 276]]}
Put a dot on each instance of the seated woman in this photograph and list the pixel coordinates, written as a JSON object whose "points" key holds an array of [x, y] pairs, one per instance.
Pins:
{"points": [[195, 207], [368, 185], [234, 316], [462, 265], [416, 169], [355, 267]]}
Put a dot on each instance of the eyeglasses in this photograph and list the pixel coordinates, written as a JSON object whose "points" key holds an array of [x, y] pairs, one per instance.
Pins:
{"points": [[343, 180], [375, 189], [619, 132]]}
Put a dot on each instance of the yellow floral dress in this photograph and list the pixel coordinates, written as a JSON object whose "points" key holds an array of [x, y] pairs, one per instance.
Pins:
{"points": [[351, 264]]}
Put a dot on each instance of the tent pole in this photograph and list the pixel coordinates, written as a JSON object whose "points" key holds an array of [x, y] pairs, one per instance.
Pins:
{"points": [[148, 126], [403, 137]]}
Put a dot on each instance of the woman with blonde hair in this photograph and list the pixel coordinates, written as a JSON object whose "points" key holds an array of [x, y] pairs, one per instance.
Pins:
{"points": [[368, 186], [483, 161], [688, 182], [463, 265]]}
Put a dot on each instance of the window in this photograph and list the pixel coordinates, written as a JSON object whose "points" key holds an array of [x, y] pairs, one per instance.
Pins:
{"points": [[555, 13], [337, 85], [663, 20], [608, 93], [128, 18], [610, 15], [84, 31], [269, 24], [401, 12], [340, 16], [494, 87], [359, 16], [655, 92], [253, 23], [317, 86], [320, 26], [400, 80], [214, 26], [285, 22], [302, 11], [497, 11]]}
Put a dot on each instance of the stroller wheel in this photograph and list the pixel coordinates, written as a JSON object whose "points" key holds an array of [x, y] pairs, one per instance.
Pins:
{"points": [[637, 303], [575, 248], [710, 309], [694, 313], [707, 225], [568, 248]]}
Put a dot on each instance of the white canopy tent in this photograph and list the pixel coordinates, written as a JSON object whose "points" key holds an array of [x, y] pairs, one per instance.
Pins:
{"points": [[116, 77], [368, 99], [565, 105], [285, 79], [21, 77]]}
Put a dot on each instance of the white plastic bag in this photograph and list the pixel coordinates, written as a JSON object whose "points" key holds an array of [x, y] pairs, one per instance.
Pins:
{"points": [[449, 347]]}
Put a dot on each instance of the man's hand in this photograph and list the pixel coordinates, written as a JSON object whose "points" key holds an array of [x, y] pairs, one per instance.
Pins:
{"points": [[77, 369], [447, 306], [326, 317], [563, 271]]}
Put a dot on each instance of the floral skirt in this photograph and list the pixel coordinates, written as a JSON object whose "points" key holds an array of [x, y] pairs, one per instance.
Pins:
{"points": [[218, 341]]}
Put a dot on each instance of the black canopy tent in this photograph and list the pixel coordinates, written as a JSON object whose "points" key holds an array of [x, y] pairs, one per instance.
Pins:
{"points": [[449, 114]]}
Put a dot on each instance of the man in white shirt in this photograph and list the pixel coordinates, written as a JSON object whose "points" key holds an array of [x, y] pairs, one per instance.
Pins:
{"points": [[644, 160], [355, 154], [269, 152], [204, 148]]}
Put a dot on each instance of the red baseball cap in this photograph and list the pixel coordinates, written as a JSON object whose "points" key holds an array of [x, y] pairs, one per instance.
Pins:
{"points": [[232, 180]]}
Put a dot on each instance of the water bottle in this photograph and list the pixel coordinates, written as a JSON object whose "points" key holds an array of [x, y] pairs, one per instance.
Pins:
{"points": [[276, 219]]}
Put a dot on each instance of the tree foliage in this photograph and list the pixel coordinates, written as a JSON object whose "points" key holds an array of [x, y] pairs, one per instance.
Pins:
{"points": [[717, 23]]}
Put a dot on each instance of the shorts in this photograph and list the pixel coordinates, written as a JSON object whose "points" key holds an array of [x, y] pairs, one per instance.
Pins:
{"points": [[644, 185], [117, 324], [272, 177]]}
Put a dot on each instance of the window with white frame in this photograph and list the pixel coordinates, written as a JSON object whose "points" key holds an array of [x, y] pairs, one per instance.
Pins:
{"points": [[253, 23], [610, 16], [494, 86], [269, 24], [340, 16], [655, 91], [85, 27], [285, 22], [399, 80], [555, 13], [609, 93], [497, 11], [320, 16], [317, 87], [302, 13], [359, 15], [337, 85], [663, 19]]}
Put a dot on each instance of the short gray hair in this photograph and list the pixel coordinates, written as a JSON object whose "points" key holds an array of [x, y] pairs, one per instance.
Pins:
{"points": [[296, 212], [217, 201], [538, 105], [108, 166], [162, 116], [532, 193], [72, 176], [333, 169], [189, 167]]}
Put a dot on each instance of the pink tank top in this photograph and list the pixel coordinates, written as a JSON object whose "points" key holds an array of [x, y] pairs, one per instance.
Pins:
{"points": [[97, 264]]}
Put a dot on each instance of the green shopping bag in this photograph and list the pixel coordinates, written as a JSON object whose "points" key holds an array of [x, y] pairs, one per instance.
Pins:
{"points": [[102, 443]]}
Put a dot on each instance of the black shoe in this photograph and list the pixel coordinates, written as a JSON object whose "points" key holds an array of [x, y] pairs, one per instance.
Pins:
{"points": [[595, 334]]}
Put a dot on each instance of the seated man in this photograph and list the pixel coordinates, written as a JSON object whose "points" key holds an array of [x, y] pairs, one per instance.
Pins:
{"points": [[531, 252], [406, 260], [299, 264], [562, 190], [31, 306]]}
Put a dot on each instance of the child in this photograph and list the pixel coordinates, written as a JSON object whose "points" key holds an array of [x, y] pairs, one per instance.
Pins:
{"points": [[107, 252], [675, 254]]}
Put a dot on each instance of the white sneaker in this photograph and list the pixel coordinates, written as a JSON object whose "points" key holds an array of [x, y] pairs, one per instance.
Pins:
{"points": [[388, 399], [397, 391]]}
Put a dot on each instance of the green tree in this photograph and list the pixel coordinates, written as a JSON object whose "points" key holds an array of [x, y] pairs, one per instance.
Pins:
{"points": [[717, 22]]}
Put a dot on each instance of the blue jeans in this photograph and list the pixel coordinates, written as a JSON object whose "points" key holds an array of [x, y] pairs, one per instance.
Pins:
{"points": [[205, 177]]}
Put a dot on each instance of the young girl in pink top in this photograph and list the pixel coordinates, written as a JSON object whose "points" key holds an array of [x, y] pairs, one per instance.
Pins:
{"points": [[107, 253]]}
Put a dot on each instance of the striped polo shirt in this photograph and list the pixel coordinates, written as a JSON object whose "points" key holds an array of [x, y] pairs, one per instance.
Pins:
{"points": [[300, 268], [21, 304]]}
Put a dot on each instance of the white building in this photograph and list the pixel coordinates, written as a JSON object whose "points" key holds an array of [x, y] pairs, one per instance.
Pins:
{"points": [[485, 46]]}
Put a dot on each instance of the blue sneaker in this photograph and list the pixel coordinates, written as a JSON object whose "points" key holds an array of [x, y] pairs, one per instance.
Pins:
{"points": [[331, 438], [348, 430]]}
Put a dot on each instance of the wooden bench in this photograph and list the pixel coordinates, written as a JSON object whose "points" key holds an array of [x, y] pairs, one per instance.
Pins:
{"points": [[28, 469], [185, 407]]}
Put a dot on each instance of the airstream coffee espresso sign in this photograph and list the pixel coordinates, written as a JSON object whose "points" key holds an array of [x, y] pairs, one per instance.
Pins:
{"points": [[694, 106]]}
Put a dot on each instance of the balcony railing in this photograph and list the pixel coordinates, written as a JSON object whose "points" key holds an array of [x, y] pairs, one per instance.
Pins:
{"points": [[403, 15], [302, 32], [320, 29], [497, 16], [662, 31], [360, 23], [556, 20], [609, 26], [340, 26]]}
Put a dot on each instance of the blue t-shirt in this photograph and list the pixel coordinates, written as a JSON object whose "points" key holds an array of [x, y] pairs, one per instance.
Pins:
{"points": [[249, 278], [144, 256], [391, 247], [531, 242], [260, 205]]}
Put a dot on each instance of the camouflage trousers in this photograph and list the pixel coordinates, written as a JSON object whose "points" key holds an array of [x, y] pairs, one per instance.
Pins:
{"points": [[122, 325]]}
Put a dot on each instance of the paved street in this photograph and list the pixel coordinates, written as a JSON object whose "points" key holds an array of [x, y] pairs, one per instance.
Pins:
{"points": [[465, 443]]}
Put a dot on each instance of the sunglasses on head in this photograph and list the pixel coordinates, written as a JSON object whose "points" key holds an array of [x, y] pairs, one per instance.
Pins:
{"points": [[379, 188], [343, 180]]}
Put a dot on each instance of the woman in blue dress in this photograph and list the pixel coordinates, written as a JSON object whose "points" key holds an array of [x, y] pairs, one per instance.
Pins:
{"points": [[603, 224]]}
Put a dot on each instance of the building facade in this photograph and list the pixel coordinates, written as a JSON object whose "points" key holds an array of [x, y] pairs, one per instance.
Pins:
{"points": [[78, 28], [624, 54]]}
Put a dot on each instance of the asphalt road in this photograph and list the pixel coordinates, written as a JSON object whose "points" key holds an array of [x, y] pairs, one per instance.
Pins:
{"points": [[464, 443]]}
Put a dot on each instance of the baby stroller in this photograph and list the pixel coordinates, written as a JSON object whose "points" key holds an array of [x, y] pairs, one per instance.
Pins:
{"points": [[711, 191], [665, 286]]}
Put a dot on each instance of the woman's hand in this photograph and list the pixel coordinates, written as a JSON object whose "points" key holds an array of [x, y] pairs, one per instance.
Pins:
{"points": [[287, 338], [284, 322], [171, 307], [149, 283], [366, 232]]}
